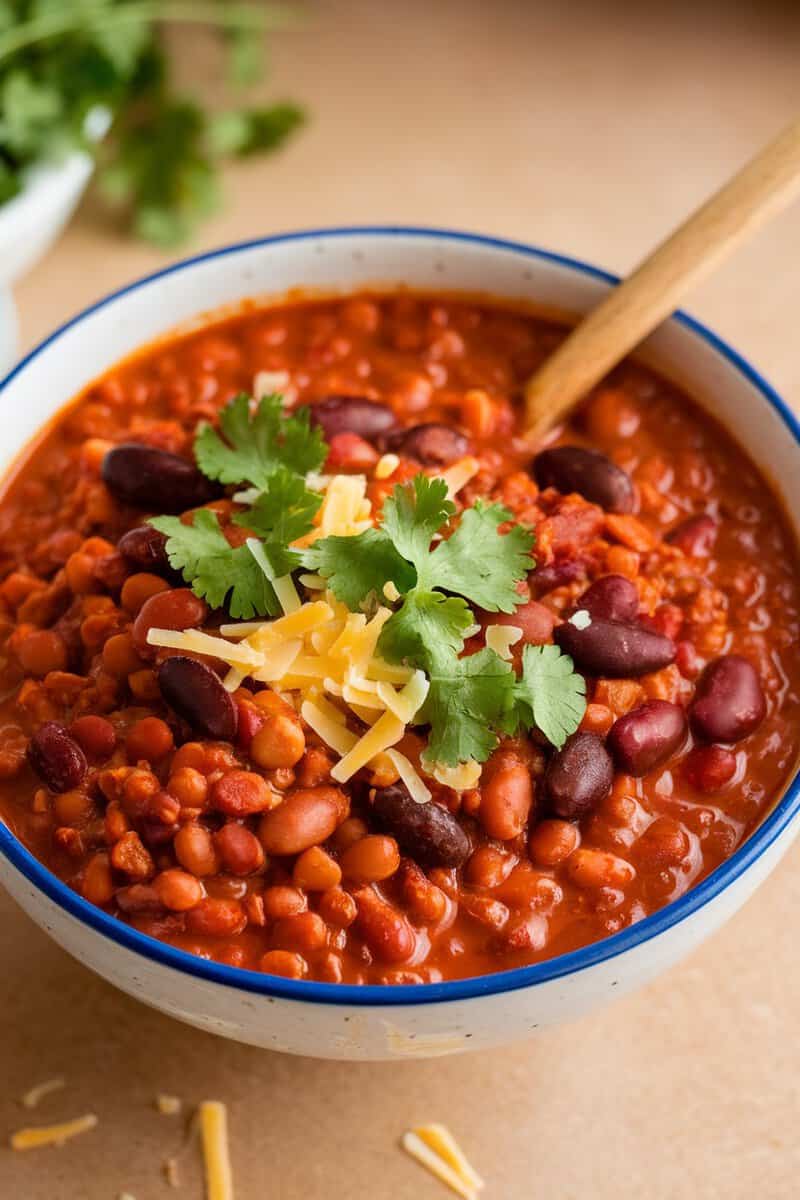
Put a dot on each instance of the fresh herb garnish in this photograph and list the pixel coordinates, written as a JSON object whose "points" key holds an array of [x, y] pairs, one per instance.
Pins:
{"points": [[62, 63], [270, 450], [475, 697]]}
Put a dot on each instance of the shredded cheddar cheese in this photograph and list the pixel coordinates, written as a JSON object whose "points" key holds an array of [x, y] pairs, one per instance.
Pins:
{"points": [[461, 778], [40, 1090], [501, 638], [435, 1148], [386, 466], [168, 1106], [216, 1155], [51, 1135], [458, 474]]}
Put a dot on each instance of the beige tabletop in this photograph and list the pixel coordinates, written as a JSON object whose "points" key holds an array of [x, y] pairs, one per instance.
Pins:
{"points": [[588, 129]]}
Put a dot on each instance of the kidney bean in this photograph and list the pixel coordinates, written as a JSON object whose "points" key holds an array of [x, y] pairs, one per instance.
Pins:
{"points": [[177, 608], [431, 444], [506, 797], [591, 474], [614, 648], [646, 737], [709, 768], [664, 843], [145, 548], [352, 414], [578, 777], [728, 702], [156, 480], [695, 536], [386, 931], [426, 832], [305, 818], [139, 898], [556, 574], [195, 693], [612, 598], [56, 757], [95, 736]]}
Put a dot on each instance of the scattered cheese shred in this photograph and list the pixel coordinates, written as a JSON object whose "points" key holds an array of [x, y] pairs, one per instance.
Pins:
{"points": [[458, 474], [216, 1155], [501, 638], [40, 1090], [168, 1105], [405, 769], [386, 466], [441, 1141], [266, 383], [461, 778], [171, 1173], [390, 591], [205, 643], [51, 1135], [420, 1150]]}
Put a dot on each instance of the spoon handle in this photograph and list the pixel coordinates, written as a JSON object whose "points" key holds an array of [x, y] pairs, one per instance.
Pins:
{"points": [[760, 190]]}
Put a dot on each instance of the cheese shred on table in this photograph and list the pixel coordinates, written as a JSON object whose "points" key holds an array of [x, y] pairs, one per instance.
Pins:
{"points": [[51, 1135], [213, 1116], [435, 1148], [40, 1090]]}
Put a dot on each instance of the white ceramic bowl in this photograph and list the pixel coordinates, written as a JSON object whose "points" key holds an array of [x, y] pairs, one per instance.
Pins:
{"points": [[337, 1021]]}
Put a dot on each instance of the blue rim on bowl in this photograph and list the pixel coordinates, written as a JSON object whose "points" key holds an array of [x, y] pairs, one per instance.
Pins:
{"points": [[460, 989]]}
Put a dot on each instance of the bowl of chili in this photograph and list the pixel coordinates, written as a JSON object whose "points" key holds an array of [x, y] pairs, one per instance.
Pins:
{"points": [[337, 720]]}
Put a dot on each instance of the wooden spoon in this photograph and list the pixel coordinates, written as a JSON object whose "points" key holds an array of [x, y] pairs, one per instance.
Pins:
{"points": [[636, 305]]}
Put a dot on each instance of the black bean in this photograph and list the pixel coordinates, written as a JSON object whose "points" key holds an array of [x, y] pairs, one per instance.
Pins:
{"points": [[578, 777], [196, 693], [145, 548], [56, 757], [425, 832], [556, 574], [591, 474], [612, 597], [156, 480], [614, 648], [432, 444], [352, 414], [729, 701], [647, 736]]}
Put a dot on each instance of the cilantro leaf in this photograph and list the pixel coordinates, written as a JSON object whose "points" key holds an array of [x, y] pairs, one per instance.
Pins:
{"points": [[467, 701], [247, 131], [219, 573], [413, 514], [284, 511], [549, 694], [356, 568], [426, 624], [481, 564], [257, 444]]}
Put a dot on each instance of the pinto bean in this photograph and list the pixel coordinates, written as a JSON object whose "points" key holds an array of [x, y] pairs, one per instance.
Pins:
{"points": [[578, 777], [709, 768], [695, 536], [587, 472], [371, 859], [614, 649], [646, 737], [506, 797], [426, 832], [307, 817], [612, 598], [197, 694], [386, 931], [534, 619], [156, 480], [431, 444], [729, 701], [145, 548], [176, 608], [352, 414], [56, 757]]}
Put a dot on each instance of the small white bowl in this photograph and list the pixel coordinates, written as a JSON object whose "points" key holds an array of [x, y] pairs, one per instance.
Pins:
{"points": [[372, 1022]]}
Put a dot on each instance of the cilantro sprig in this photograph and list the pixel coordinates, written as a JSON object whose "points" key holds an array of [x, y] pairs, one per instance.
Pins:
{"points": [[270, 451], [472, 697], [69, 66]]}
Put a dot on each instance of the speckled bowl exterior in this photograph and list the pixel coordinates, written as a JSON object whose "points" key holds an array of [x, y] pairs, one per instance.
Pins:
{"points": [[372, 1022]]}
